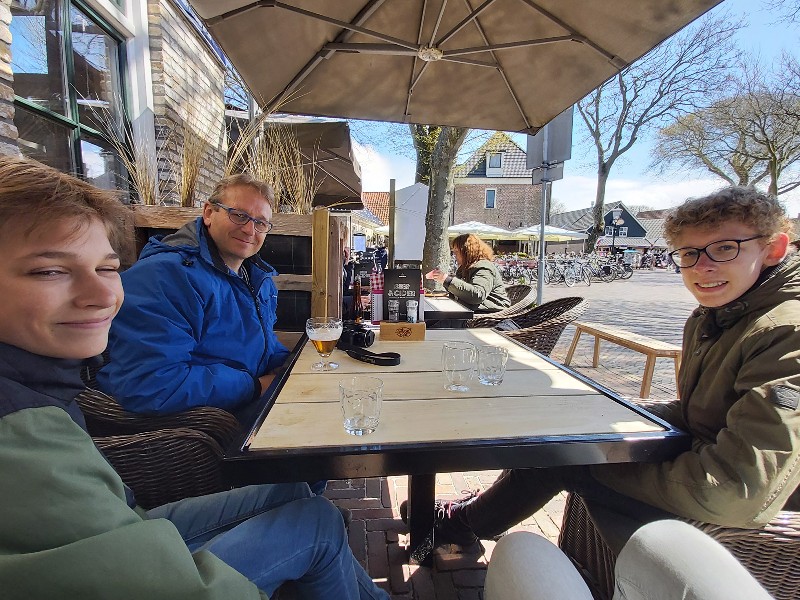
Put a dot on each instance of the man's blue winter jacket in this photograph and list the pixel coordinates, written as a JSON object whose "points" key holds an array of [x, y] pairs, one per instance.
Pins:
{"points": [[191, 332]]}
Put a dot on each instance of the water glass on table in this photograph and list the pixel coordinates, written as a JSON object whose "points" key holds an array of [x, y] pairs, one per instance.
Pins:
{"points": [[360, 398], [492, 364], [458, 365]]}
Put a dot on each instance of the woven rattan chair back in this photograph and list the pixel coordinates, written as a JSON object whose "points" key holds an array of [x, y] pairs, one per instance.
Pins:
{"points": [[770, 554], [161, 458], [540, 328], [517, 292], [492, 319]]}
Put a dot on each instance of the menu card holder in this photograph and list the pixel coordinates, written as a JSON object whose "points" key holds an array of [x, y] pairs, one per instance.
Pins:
{"points": [[399, 285]]}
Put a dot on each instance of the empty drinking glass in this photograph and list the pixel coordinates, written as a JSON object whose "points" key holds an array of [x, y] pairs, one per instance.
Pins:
{"points": [[458, 365], [360, 398], [492, 364]]}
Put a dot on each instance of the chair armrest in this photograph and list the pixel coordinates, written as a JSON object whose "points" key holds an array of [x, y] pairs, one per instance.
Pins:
{"points": [[165, 465], [105, 416]]}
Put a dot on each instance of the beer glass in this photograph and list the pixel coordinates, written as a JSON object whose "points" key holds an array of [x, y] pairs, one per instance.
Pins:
{"points": [[324, 332]]}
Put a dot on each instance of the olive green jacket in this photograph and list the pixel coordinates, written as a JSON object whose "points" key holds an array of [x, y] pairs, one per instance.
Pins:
{"points": [[482, 288], [740, 388]]}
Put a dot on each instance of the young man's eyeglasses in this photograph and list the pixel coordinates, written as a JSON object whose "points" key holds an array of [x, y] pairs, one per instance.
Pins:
{"points": [[242, 218], [721, 251]]}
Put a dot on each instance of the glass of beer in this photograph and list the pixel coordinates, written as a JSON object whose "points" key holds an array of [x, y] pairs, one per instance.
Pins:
{"points": [[324, 332]]}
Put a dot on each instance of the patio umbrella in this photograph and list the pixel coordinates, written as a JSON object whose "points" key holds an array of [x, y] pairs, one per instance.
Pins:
{"points": [[551, 234], [509, 65], [482, 230]]}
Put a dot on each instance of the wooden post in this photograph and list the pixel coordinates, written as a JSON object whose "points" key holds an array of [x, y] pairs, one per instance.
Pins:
{"points": [[392, 224], [326, 265]]}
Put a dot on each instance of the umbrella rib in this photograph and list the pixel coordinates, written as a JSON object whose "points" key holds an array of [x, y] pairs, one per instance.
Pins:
{"points": [[577, 36], [392, 49], [411, 79], [470, 17], [469, 61], [349, 26], [436, 26], [312, 64], [522, 44], [502, 72]]}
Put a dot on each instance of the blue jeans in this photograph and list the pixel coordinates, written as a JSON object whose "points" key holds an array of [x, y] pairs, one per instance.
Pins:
{"points": [[272, 534]]}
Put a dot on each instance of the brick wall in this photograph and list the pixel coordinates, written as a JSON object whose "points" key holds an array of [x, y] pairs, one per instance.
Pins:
{"points": [[188, 85], [8, 131], [514, 204]]}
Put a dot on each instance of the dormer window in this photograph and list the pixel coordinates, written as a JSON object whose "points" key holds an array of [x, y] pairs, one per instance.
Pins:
{"points": [[494, 164]]}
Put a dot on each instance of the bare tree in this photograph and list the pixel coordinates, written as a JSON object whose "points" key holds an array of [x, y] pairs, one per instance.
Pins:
{"points": [[676, 77], [747, 138], [787, 11]]}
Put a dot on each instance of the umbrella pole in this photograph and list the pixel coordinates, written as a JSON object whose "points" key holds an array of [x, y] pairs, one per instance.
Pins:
{"points": [[540, 271]]}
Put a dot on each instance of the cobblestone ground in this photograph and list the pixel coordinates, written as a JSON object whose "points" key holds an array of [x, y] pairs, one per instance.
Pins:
{"points": [[652, 303]]}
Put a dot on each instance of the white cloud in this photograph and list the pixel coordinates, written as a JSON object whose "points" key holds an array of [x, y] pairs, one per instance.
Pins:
{"points": [[378, 168]]}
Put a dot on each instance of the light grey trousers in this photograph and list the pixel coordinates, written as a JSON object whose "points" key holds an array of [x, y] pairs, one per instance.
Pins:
{"points": [[664, 560]]}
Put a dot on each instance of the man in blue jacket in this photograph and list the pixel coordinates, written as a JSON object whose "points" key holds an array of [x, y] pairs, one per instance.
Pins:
{"points": [[196, 328]]}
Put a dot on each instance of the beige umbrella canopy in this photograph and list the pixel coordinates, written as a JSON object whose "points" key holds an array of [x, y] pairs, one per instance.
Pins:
{"points": [[509, 65]]}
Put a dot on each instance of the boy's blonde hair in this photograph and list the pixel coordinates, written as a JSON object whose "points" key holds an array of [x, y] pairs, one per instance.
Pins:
{"points": [[736, 203], [33, 195]]}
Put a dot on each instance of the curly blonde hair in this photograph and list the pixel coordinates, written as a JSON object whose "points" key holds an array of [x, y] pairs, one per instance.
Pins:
{"points": [[472, 248], [736, 203]]}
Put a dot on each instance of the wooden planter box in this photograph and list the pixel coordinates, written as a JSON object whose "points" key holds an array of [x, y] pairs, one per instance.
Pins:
{"points": [[293, 247]]}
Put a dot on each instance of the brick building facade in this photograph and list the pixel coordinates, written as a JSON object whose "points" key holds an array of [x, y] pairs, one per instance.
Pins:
{"points": [[494, 187], [8, 131]]}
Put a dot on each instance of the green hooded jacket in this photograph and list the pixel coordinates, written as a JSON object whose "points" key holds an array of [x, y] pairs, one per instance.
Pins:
{"points": [[481, 289], [740, 389]]}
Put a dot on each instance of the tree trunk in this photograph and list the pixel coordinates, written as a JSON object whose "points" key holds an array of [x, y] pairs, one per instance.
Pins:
{"points": [[424, 138], [598, 212], [436, 251]]}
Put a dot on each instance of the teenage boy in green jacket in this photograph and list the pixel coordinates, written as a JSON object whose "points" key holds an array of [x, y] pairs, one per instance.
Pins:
{"points": [[739, 389]]}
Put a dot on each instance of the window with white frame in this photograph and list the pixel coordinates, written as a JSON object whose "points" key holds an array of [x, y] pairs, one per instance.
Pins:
{"points": [[67, 65], [609, 230], [494, 164], [623, 232], [491, 197]]}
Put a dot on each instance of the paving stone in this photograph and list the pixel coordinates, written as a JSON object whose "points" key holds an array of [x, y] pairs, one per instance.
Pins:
{"points": [[469, 578], [378, 555]]}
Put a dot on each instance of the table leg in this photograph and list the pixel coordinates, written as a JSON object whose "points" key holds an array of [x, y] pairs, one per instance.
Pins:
{"points": [[649, 367], [596, 355], [421, 498], [572, 346]]}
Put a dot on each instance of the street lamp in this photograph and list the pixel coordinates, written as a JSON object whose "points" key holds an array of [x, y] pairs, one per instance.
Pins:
{"points": [[615, 222]]}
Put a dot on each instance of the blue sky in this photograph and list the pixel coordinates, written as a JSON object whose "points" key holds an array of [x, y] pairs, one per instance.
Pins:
{"points": [[384, 150]]}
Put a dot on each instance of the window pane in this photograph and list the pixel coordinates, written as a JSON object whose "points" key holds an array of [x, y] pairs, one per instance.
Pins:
{"points": [[495, 160], [490, 195], [44, 140], [101, 165], [37, 55], [97, 77]]}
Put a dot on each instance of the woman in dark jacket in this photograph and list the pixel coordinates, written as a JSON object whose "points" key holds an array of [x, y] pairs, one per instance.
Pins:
{"points": [[477, 283]]}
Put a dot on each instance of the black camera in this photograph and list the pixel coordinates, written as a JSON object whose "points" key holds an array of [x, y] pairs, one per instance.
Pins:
{"points": [[356, 334]]}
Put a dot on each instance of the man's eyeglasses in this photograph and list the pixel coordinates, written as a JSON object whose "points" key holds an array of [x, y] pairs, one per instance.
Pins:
{"points": [[242, 218], [721, 251]]}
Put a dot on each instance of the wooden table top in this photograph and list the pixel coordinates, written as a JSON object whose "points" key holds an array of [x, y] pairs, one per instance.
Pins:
{"points": [[536, 399]]}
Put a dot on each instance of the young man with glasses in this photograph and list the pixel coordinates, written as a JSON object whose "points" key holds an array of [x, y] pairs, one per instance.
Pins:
{"points": [[197, 325], [739, 392]]}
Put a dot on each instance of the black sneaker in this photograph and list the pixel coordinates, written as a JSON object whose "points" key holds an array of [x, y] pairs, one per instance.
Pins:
{"points": [[447, 527]]}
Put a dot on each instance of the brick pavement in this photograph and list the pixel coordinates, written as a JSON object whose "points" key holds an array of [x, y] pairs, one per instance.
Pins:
{"points": [[652, 303]]}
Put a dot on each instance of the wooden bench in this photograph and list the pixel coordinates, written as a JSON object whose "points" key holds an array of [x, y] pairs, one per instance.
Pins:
{"points": [[648, 346]]}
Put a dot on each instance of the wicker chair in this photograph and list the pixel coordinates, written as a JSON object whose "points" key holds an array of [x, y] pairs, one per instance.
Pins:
{"points": [[539, 328], [771, 554], [517, 292], [492, 319], [161, 458]]}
